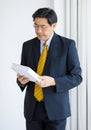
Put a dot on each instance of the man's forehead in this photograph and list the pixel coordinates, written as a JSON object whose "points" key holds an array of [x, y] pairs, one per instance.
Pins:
{"points": [[41, 20]]}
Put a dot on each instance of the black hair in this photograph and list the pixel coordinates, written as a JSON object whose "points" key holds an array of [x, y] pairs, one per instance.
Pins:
{"points": [[47, 13]]}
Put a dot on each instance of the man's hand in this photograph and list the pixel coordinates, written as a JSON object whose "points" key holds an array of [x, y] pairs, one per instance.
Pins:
{"points": [[46, 81], [22, 79]]}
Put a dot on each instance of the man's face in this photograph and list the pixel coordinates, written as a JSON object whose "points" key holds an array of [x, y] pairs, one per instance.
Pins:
{"points": [[42, 29]]}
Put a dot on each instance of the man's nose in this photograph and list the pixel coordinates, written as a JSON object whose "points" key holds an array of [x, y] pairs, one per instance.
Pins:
{"points": [[39, 29]]}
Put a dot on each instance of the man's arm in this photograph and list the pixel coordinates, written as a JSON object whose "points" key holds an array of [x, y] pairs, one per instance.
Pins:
{"points": [[73, 76]]}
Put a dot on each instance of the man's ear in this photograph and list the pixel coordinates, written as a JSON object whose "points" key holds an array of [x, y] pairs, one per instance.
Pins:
{"points": [[54, 25]]}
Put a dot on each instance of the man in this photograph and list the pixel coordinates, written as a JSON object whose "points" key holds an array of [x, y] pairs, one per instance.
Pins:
{"points": [[61, 72]]}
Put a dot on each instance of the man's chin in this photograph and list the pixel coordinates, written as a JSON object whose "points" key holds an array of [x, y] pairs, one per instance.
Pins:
{"points": [[41, 38]]}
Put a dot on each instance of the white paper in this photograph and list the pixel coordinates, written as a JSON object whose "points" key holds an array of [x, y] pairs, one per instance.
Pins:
{"points": [[25, 71]]}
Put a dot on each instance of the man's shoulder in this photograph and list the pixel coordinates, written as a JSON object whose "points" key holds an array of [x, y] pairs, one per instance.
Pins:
{"points": [[31, 42], [35, 39], [65, 39]]}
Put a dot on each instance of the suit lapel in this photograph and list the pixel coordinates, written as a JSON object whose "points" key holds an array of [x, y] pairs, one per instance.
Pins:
{"points": [[54, 50], [36, 50]]}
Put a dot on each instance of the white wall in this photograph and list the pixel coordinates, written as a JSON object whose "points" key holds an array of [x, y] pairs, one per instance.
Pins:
{"points": [[15, 28]]}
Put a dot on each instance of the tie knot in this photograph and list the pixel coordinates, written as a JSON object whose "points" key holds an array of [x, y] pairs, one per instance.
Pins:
{"points": [[45, 45]]}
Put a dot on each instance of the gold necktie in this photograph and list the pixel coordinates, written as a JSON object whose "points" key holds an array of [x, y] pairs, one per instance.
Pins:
{"points": [[38, 92]]}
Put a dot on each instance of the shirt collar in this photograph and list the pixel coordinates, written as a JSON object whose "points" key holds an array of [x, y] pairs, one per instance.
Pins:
{"points": [[48, 41]]}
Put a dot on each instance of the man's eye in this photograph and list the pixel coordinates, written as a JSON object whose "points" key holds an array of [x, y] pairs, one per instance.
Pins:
{"points": [[43, 27]]}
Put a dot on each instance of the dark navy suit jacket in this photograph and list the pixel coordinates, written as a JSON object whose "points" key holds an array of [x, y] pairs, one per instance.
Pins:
{"points": [[63, 64]]}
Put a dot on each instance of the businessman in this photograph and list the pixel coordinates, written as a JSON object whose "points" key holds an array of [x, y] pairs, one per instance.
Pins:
{"points": [[55, 59]]}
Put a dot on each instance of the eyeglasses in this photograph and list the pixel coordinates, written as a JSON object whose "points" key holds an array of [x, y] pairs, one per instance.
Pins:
{"points": [[43, 27]]}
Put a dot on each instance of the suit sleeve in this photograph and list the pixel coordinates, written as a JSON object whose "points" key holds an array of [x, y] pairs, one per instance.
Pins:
{"points": [[73, 76], [23, 62]]}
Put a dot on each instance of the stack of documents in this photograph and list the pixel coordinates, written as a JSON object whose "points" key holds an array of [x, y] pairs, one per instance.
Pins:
{"points": [[25, 71]]}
